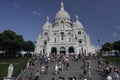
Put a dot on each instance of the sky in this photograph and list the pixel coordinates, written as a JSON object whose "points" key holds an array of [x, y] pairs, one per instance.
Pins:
{"points": [[100, 18]]}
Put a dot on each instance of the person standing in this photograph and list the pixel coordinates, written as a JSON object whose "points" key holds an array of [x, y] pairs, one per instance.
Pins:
{"points": [[84, 78], [84, 64], [67, 65], [53, 78], [115, 74], [74, 78], [56, 69], [84, 72], [109, 77], [46, 70], [60, 78], [37, 75], [42, 69], [90, 74]]}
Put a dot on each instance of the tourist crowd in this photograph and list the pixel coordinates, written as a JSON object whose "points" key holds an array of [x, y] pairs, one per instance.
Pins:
{"points": [[63, 63]]}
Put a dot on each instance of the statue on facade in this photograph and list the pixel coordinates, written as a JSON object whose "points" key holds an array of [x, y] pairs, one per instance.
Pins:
{"points": [[10, 70]]}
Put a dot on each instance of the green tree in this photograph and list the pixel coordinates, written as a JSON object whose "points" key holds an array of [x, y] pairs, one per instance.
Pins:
{"points": [[1, 41], [11, 42], [116, 45], [107, 47], [28, 46]]}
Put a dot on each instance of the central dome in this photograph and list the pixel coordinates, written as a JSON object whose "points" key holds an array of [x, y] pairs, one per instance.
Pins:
{"points": [[62, 13]]}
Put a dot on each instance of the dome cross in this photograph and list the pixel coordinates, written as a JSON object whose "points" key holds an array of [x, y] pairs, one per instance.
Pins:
{"points": [[77, 18], [47, 19], [62, 6]]}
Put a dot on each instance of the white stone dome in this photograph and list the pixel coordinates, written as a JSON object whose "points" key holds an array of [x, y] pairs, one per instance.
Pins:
{"points": [[78, 23], [46, 25], [62, 13]]}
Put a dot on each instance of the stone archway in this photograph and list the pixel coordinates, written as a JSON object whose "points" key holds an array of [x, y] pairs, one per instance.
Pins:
{"points": [[63, 50], [71, 50], [54, 50]]}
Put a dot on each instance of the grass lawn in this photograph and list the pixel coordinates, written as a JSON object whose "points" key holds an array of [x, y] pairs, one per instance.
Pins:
{"points": [[18, 63], [113, 59]]}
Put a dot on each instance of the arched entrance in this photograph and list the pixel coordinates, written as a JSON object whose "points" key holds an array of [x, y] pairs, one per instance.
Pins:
{"points": [[54, 50], [71, 50], [62, 50]]}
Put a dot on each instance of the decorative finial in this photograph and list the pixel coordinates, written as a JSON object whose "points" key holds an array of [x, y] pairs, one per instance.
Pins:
{"points": [[47, 19], [77, 18], [62, 6]]}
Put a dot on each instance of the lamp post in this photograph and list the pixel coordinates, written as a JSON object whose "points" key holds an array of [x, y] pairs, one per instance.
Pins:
{"points": [[98, 42], [99, 52]]}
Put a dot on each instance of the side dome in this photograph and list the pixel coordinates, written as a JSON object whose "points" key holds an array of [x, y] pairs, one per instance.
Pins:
{"points": [[78, 23], [46, 25], [62, 13]]}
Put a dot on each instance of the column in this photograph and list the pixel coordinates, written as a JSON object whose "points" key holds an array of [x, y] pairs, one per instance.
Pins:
{"points": [[67, 54], [77, 50], [58, 50]]}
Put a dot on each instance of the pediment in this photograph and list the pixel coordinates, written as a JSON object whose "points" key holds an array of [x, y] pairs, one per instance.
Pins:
{"points": [[61, 26]]}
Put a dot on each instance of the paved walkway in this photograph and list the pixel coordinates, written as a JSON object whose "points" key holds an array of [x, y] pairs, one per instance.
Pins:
{"points": [[75, 70]]}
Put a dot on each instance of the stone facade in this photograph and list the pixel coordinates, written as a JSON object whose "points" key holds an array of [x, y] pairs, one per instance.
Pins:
{"points": [[63, 36]]}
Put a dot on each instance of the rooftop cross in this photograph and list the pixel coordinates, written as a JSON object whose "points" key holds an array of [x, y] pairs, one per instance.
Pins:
{"points": [[62, 6]]}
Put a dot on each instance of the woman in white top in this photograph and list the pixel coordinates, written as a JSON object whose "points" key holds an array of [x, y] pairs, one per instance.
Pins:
{"points": [[109, 77], [42, 69], [56, 69], [115, 74]]}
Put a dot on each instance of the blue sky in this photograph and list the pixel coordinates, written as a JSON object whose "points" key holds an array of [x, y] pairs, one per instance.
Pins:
{"points": [[100, 18]]}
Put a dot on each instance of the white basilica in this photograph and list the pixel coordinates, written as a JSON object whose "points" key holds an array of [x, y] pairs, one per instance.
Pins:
{"points": [[63, 36]]}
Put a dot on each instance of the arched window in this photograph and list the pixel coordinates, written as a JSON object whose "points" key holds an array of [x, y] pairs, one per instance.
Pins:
{"points": [[45, 42], [55, 40], [71, 49], [79, 32], [54, 50], [62, 35], [80, 41], [45, 33]]}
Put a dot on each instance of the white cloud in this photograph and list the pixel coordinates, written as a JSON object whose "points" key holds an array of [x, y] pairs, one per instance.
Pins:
{"points": [[15, 5], [118, 27], [115, 34], [36, 13]]}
